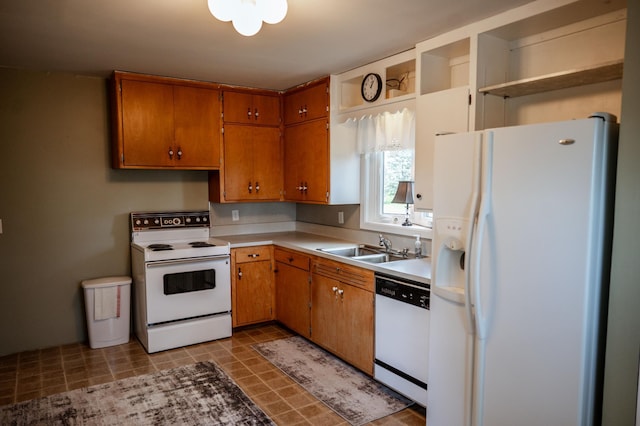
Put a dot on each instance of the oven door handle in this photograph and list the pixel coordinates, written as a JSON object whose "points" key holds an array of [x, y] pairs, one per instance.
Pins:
{"points": [[184, 261]]}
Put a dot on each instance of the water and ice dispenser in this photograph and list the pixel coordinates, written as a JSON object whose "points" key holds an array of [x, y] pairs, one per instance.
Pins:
{"points": [[450, 240]]}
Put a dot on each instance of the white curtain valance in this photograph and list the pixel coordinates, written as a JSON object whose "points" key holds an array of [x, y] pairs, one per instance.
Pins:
{"points": [[386, 131]]}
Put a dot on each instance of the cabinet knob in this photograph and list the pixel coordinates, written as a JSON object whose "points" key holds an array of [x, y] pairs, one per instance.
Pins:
{"points": [[250, 187], [257, 186], [419, 196], [179, 153], [170, 153], [253, 255], [239, 273], [249, 113], [290, 259], [334, 289], [256, 113]]}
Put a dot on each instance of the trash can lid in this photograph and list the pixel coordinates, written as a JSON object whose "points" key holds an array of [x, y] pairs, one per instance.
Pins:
{"points": [[106, 282]]}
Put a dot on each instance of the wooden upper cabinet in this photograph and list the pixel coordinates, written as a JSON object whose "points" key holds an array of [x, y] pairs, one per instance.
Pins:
{"points": [[165, 123], [253, 164], [307, 102], [146, 124], [306, 162], [251, 108], [197, 127]]}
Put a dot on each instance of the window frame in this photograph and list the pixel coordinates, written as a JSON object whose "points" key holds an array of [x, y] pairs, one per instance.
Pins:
{"points": [[371, 201]]}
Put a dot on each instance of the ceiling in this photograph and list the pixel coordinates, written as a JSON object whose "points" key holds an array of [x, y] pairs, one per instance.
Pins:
{"points": [[180, 38]]}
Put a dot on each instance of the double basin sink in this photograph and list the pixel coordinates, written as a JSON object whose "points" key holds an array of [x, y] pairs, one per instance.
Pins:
{"points": [[367, 253]]}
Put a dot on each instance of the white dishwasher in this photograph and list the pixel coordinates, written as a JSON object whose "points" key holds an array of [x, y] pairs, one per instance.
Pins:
{"points": [[402, 336]]}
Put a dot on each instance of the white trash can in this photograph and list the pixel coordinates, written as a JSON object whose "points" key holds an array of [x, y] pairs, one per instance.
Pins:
{"points": [[107, 303]]}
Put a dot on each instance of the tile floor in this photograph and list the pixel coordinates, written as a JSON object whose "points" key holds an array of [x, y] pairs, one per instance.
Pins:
{"points": [[44, 372]]}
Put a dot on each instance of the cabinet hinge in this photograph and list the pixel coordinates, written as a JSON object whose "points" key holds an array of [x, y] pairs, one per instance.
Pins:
{"points": [[327, 126], [221, 96], [222, 130], [309, 331], [120, 86], [327, 196], [122, 158], [469, 98]]}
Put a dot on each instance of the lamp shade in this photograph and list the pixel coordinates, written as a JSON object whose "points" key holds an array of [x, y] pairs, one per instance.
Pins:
{"points": [[404, 193]]}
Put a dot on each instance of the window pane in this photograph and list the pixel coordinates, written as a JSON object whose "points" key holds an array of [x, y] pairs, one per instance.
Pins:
{"points": [[398, 165]]}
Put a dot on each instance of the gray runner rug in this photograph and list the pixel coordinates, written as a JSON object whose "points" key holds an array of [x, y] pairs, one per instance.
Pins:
{"points": [[196, 394], [353, 395]]}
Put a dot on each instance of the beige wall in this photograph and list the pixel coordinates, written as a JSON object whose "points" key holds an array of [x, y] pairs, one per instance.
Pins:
{"points": [[623, 333], [64, 211]]}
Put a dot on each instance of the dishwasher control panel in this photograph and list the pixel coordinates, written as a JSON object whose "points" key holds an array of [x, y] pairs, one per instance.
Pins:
{"points": [[401, 290]]}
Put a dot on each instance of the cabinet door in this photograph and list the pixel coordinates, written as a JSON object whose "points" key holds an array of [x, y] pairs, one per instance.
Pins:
{"points": [[266, 110], [267, 163], [307, 104], [252, 163], [438, 112], [293, 298], [250, 108], [147, 123], [325, 320], [355, 327], [238, 162], [237, 107], [197, 127], [306, 162], [253, 293]]}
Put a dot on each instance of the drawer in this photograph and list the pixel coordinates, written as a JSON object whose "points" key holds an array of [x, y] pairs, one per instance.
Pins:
{"points": [[292, 258], [252, 254], [347, 274]]}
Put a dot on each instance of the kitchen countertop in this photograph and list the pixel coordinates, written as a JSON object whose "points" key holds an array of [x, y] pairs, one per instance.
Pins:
{"points": [[412, 269]]}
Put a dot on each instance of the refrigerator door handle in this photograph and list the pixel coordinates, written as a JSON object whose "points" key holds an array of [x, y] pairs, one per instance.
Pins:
{"points": [[485, 211], [473, 215]]}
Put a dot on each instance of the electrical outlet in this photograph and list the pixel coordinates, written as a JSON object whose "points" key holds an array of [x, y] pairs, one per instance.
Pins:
{"points": [[235, 215], [341, 218]]}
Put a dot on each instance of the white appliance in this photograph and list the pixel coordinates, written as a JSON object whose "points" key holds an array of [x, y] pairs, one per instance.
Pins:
{"points": [[521, 255], [402, 315], [182, 280]]}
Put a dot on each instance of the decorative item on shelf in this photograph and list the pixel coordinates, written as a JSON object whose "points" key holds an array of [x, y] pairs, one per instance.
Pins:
{"points": [[247, 15], [371, 87], [404, 195]]}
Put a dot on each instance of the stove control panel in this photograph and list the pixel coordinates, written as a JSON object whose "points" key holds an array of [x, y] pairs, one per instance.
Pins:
{"points": [[148, 220]]}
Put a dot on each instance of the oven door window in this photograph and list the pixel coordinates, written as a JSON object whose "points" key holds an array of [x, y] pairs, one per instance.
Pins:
{"points": [[186, 282]]}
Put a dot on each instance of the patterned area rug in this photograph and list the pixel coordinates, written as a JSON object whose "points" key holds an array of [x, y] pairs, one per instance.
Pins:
{"points": [[190, 395], [351, 394]]}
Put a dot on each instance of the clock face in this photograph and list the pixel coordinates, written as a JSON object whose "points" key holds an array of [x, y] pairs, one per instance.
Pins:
{"points": [[371, 87]]}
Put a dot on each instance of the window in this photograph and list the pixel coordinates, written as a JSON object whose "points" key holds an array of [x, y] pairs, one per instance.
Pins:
{"points": [[384, 164]]}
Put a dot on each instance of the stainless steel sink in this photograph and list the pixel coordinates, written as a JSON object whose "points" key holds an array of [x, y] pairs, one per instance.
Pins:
{"points": [[350, 251], [373, 258], [364, 253]]}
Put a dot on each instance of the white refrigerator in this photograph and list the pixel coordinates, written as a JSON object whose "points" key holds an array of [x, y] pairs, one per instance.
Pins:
{"points": [[521, 255]]}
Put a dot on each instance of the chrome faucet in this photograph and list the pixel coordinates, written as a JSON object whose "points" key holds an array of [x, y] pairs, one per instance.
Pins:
{"points": [[385, 242]]}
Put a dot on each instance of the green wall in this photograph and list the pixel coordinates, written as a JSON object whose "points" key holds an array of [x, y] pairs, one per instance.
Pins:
{"points": [[64, 211]]}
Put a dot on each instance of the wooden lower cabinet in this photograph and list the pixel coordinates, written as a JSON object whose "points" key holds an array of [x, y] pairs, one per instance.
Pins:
{"points": [[252, 285], [342, 309], [292, 290]]}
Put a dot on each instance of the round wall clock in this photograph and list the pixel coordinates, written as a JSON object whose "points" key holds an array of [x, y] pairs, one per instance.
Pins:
{"points": [[371, 87]]}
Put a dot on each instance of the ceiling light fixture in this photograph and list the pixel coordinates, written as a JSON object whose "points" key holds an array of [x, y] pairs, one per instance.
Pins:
{"points": [[247, 15]]}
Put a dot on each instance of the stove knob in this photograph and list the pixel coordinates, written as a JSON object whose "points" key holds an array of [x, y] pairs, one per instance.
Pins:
{"points": [[188, 220], [204, 218], [146, 221], [197, 219], [176, 221], [138, 222], [156, 221]]}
